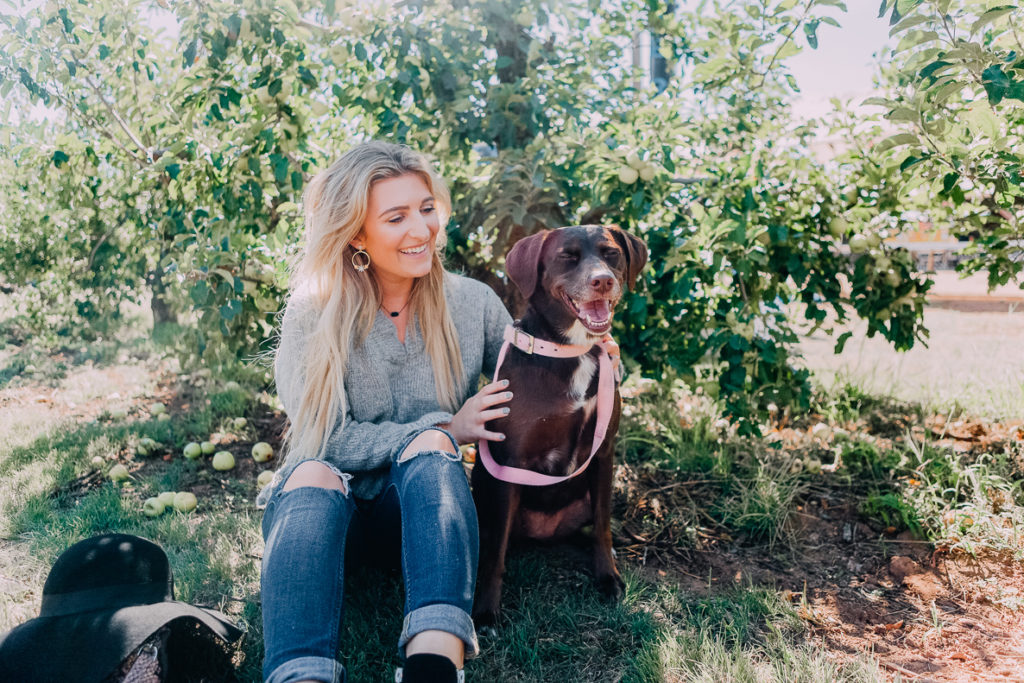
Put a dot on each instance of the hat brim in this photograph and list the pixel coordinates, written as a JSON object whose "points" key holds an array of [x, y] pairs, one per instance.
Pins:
{"points": [[89, 645]]}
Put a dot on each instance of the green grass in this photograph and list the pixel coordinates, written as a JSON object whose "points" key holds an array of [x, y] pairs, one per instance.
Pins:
{"points": [[694, 475]]}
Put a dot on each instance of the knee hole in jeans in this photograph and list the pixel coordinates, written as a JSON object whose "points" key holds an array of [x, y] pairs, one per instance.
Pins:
{"points": [[311, 473], [428, 440]]}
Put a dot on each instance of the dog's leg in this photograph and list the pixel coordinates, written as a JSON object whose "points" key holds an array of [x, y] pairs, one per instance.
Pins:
{"points": [[496, 507], [606, 574]]}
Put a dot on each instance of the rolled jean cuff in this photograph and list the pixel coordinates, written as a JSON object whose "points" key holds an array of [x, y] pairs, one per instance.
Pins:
{"points": [[305, 668], [440, 617]]}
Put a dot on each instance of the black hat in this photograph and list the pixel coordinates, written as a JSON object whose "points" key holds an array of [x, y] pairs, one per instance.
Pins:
{"points": [[103, 598]]}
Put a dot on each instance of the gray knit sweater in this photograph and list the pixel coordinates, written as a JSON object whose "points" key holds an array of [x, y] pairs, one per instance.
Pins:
{"points": [[389, 386]]}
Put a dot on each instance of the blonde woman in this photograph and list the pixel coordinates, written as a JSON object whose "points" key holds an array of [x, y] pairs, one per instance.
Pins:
{"points": [[380, 352]]}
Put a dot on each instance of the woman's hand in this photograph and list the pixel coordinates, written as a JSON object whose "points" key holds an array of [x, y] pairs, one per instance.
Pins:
{"points": [[468, 424]]}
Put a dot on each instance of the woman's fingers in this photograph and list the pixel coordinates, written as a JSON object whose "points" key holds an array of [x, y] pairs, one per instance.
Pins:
{"points": [[488, 415], [495, 399]]}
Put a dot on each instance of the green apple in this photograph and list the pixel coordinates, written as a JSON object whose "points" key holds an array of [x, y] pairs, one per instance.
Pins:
{"points": [[648, 172], [185, 501], [873, 239], [262, 452], [29, 369], [239, 423], [163, 417], [153, 507], [192, 450], [157, 409], [812, 465], [118, 473], [167, 498], [628, 175], [118, 414], [838, 227], [266, 476], [232, 386], [223, 461], [633, 159], [141, 449], [207, 447], [858, 244], [892, 278], [97, 461]]}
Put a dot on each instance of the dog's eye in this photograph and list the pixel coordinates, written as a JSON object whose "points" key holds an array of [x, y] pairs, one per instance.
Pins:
{"points": [[569, 256], [610, 255]]}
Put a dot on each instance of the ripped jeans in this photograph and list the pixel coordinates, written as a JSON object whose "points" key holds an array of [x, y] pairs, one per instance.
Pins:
{"points": [[426, 507]]}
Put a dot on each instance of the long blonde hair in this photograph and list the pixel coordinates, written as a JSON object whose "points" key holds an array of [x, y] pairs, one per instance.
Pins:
{"points": [[335, 205]]}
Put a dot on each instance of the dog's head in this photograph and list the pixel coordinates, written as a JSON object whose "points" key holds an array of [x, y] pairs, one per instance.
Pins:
{"points": [[575, 276]]}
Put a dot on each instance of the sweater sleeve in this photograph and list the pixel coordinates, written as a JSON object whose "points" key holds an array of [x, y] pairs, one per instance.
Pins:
{"points": [[363, 446]]}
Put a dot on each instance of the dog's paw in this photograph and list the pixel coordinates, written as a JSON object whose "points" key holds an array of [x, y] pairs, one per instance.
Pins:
{"points": [[611, 587], [485, 618]]}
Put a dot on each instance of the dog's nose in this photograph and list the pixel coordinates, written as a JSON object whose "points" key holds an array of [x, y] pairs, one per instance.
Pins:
{"points": [[602, 282]]}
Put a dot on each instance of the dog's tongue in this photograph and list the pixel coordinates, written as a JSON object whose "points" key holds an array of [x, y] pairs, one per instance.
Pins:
{"points": [[597, 311]]}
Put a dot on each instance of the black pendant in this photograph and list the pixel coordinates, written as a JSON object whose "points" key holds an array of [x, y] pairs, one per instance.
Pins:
{"points": [[395, 314]]}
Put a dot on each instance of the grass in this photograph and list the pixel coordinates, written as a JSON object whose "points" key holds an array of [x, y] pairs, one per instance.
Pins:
{"points": [[685, 474]]}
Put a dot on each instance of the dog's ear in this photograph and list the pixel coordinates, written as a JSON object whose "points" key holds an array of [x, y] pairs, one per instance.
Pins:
{"points": [[523, 262], [635, 250]]}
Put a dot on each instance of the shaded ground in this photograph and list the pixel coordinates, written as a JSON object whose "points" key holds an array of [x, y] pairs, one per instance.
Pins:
{"points": [[923, 612]]}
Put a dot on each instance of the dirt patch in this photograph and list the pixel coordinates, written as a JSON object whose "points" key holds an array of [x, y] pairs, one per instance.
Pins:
{"points": [[924, 614]]}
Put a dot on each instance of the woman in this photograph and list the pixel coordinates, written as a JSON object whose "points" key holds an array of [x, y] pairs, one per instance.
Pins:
{"points": [[379, 355]]}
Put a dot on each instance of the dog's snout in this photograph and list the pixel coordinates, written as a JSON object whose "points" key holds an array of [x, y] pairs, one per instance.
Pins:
{"points": [[602, 283]]}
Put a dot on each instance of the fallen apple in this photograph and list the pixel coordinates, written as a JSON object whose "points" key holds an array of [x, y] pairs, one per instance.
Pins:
{"points": [[118, 473], [153, 507], [239, 423], [192, 451], [262, 452], [223, 461], [207, 447], [266, 476], [232, 386], [167, 498], [157, 409], [185, 501], [163, 417], [97, 460], [118, 414]]}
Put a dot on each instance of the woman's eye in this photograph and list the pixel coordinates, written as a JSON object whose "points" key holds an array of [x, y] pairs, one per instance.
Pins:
{"points": [[428, 209], [396, 219]]}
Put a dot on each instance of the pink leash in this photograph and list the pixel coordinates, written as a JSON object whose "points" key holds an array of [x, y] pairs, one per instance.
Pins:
{"points": [[605, 397]]}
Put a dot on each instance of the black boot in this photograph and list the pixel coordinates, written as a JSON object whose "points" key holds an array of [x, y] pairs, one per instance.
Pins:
{"points": [[428, 668]]}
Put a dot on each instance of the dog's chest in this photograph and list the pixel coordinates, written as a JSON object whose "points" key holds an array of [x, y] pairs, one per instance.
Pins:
{"points": [[581, 379]]}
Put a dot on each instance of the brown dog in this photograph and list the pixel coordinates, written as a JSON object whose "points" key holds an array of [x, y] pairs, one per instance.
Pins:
{"points": [[571, 280]]}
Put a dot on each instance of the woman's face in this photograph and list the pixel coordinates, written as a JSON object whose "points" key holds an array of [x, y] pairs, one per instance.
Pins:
{"points": [[400, 230]]}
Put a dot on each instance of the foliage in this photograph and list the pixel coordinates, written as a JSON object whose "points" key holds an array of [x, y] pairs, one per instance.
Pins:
{"points": [[949, 149], [181, 161]]}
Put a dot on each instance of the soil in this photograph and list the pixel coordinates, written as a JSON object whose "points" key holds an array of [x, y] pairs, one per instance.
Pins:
{"points": [[923, 613]]}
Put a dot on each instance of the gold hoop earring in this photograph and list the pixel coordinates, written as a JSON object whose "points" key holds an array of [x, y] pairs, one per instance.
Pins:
{"points": [[358, 263]]}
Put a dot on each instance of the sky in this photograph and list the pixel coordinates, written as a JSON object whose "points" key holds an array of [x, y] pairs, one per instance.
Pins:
{"points": [[843, 64]]}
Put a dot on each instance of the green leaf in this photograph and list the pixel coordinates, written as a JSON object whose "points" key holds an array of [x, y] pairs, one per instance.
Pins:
{"points": [[895, 141], [990, 16], [280, 165], [932, 68], [949, 181], [913, 161], [996, 83], [881, 10], [104, 51], [908, 23], [59, 158], [811, 28], [229, 310], [903, 114], [841, 342], [199, 293], [189, 58]]}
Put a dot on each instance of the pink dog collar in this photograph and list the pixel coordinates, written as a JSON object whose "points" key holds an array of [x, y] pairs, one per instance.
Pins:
{"points": [[605, 398]]}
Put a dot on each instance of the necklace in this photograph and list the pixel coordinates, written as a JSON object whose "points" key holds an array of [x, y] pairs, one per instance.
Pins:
{"points": [[394, 314]]}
